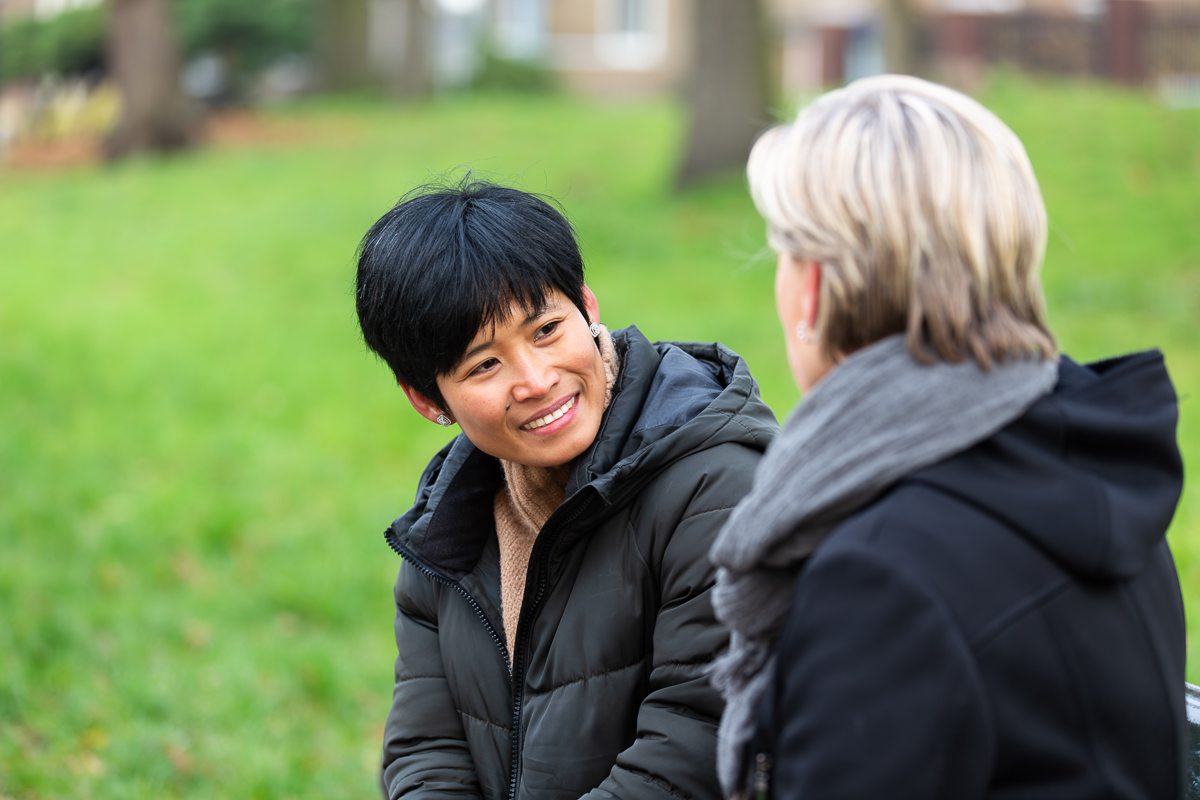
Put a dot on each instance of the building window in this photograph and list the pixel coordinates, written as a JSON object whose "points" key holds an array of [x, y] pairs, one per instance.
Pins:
{"points": [[631, 34], [521, 28], [629, 16]]}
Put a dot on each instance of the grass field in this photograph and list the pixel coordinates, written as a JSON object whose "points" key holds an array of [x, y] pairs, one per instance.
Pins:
{"points": [[198, 458]]}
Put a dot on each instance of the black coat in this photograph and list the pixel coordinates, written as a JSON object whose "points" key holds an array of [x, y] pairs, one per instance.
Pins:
{"points": [[609, 695], [1004, 624]]}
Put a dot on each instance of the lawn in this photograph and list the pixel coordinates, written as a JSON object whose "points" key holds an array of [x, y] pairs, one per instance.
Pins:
{"points": [[198, 457]]}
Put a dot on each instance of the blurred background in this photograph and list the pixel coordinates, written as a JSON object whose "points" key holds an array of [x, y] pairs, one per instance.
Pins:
{"points": [[198, 457]]}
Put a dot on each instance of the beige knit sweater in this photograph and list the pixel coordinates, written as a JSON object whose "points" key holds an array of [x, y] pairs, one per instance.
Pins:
{"points": [[525, 502]]}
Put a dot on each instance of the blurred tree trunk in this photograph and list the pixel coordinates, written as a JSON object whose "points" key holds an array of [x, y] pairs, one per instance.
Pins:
{"points": [[401, 31], [899, 37], [144, 60], [416, 77], [727, 87], [343, 44]]}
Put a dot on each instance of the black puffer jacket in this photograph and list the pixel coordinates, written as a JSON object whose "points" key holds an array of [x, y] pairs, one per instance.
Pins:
{"points": [[1004, 624], [608, 695]]}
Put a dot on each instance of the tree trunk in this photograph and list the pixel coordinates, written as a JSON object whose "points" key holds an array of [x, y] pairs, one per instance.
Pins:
{"points": [[343, 44], [1124, 24], [727, 91], [899, 38], [400, 52], [144, 60], [416, 77]]}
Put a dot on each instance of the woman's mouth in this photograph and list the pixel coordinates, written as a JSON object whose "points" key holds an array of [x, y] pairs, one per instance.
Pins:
{"points": [[557, 413]]}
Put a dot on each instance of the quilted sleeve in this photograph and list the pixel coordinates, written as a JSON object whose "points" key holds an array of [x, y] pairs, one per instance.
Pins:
{"points": [[674, 754], [425, 755]]}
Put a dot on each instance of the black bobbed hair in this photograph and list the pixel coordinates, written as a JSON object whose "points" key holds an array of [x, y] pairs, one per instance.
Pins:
{"points": [[448, 260]]}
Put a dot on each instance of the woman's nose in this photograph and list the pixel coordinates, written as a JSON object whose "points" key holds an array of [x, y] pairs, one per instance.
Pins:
{"points": [[536, 379]]}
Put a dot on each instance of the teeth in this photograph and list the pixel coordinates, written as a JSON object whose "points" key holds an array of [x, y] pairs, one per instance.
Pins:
{"points": [[546, 420]]}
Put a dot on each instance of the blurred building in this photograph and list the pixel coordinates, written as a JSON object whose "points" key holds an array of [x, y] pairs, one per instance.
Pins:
{"points": [[828, 42], [599, 47], [624, 47], [42, 9], [13, 9]]}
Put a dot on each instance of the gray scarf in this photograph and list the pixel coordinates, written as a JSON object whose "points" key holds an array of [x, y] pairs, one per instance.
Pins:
{"points": [[876, 417]]}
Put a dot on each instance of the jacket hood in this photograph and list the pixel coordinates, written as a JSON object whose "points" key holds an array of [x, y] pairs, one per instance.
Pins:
{"points": [[1091, 473], [670, 399]]}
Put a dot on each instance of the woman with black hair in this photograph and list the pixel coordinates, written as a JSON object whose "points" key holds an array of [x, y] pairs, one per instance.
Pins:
{"points": [[553, 621]]}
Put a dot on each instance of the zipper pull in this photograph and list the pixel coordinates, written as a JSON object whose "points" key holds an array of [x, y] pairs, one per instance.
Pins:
{"points": [[762, 776]]}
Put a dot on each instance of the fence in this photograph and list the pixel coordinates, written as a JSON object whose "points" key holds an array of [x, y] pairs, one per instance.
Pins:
{"points": [[1127, 41]]}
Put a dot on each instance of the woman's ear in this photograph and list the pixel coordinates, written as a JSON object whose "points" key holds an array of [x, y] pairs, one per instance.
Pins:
{"points": [[591, 304], [424, 406], [810, 298]]}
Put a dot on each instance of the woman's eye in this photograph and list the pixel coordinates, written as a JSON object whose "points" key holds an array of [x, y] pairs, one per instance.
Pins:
{"points": [[484, 367], [547, 329]]}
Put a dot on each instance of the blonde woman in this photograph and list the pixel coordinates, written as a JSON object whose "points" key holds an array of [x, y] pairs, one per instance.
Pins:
{"points": [[951, 578]]}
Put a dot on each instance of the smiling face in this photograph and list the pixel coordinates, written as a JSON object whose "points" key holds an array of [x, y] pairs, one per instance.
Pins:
{"points": [[531, 389]]}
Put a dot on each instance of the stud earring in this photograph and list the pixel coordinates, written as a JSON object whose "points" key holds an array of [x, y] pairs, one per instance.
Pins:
{"points": [[802, 333], [595, 329], [444, 421]]}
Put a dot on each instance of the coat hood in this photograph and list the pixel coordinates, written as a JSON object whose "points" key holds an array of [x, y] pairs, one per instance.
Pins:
{"points": [[670, 399], [1091, 473]]}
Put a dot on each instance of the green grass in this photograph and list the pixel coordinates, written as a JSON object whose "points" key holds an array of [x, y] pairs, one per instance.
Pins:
{"points": [[198, 458]]}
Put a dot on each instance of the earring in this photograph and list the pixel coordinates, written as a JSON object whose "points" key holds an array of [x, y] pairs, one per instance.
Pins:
{"points": [[595, 329], [444, 421], [802, 333]]}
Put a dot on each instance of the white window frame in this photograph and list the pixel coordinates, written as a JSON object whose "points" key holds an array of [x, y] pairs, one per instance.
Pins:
{"points": [[521, 28], [639, 49]]}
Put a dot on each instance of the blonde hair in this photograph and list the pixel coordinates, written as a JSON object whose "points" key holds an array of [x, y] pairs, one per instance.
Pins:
{"points": [[923, 211]]}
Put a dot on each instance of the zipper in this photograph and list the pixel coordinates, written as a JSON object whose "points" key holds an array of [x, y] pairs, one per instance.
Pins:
{"points": [[762, 776], [402, 551], [518, 667]]}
